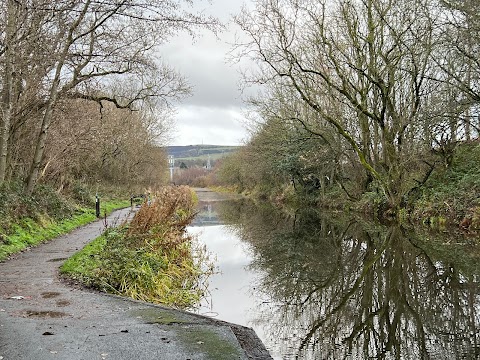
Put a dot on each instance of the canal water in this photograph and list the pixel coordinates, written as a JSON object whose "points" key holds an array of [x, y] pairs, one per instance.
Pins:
{"points": [[325, 286]]}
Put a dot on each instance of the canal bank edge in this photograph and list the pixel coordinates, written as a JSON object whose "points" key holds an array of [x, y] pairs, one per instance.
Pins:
{"points": [[197, 330]]}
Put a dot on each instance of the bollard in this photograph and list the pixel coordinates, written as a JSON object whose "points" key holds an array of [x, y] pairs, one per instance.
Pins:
{"points": [[97, 206]]}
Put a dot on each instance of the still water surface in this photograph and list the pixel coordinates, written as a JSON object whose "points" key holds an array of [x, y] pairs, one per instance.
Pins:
{"points": [[314, 286]]}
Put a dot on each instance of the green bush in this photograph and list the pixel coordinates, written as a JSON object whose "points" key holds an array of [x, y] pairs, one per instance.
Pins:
{"points": [[81, 193], [16, 204], [453, 192]]}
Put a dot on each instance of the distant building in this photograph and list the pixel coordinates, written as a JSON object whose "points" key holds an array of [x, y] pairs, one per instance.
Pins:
{"points": [[171, 165], [209, 164]]}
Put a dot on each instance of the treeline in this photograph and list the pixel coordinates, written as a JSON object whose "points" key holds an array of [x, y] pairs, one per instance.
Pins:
{"points": [[360, 98], [85, 96], [111, 147]]}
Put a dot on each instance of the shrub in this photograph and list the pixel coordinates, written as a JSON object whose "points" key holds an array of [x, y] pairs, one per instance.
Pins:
{"points": [[453, 192]]}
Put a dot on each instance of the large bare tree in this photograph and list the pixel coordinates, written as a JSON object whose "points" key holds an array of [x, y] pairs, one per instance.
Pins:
{"points": [[97, 50], [459, 59], [368, 59]]}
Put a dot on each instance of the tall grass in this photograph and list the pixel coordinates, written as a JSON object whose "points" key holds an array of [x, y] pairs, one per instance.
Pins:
{"points": [[153, 258]]}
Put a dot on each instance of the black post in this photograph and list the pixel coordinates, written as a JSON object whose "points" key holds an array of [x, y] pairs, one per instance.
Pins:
{"points": [[97, 206]]}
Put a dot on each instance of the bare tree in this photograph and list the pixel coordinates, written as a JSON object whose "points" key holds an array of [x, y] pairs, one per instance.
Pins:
{"points": [[7, 83], [99, 41], [97, 50], [23, 47], [114, 146], [369, 58], [460, 57]]}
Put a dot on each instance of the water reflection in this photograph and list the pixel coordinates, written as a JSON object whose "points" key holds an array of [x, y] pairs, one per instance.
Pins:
{"points": [[337, 289], [206, 215], [228, 298]]}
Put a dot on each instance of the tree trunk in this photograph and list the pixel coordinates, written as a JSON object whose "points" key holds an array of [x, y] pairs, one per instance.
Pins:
{"points": [[7, 96], [38, 155], [52, 100], [46, 120]]}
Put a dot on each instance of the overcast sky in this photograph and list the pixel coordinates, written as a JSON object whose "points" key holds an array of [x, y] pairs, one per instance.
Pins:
{"points": [[214, 113]]}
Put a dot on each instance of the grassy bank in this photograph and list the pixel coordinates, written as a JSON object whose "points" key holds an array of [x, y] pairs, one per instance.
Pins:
{"points": [[152, 258], [29, 232], [30, 220], [451, 196]]}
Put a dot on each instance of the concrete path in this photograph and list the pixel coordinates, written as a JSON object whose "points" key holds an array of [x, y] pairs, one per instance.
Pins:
{"points": [[43, 317]]}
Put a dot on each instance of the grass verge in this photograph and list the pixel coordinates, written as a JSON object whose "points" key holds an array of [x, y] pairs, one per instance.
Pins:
{"points": [[28, 232]]}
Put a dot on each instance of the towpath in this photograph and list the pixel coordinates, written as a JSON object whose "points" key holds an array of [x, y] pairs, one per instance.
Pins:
{"points": [[43, 317]]}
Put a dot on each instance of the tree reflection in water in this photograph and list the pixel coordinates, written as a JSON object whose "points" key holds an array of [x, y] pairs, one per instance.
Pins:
{"points": [[341, 289]]}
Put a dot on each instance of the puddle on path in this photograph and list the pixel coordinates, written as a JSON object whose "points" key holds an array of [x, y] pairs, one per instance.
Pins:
{"points": [[62, 303], [49, 294], [44, 314]]}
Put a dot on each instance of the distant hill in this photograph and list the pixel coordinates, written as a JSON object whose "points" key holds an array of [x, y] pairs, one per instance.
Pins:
{"points": [[191, 152]]}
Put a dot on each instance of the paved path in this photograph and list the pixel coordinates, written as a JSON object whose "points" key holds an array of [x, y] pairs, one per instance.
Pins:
{"points": [[42, 317]]}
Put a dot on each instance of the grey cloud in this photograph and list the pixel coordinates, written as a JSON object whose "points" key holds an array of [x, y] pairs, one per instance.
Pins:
{"points": [[213, 114], [209, 125], [203, 64]]}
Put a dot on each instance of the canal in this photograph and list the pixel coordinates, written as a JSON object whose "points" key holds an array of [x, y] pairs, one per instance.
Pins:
{"points": [[328, 286]]}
